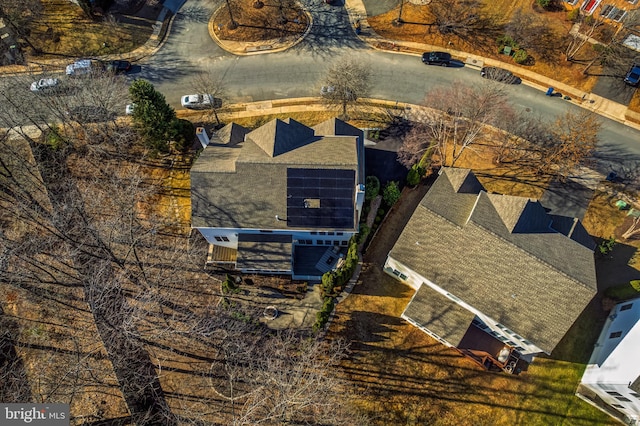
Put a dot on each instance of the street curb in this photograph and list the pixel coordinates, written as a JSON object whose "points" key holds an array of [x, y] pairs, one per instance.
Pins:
{"points": [[285, 46]]}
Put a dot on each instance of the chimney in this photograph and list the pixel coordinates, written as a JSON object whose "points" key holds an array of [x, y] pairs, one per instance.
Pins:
{"points": [[201, 133]]}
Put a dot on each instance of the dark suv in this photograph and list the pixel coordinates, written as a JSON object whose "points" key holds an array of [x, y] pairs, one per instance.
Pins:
{"points": [[437, 58]]}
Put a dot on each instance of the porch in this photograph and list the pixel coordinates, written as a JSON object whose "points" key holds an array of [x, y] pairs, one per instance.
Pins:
{"points": [[491, 353], [311, 262]]}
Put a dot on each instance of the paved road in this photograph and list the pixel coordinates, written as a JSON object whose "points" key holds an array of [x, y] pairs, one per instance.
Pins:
{"points": [[297, 71]]}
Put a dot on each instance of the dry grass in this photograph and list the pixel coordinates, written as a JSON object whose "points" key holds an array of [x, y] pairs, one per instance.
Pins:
{"points": [[64, 30], [266, 23], [403, 376]]}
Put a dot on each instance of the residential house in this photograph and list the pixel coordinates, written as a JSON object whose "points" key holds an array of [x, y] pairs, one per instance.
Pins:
{"points": [[612, 11], [284, 198], [611, 380], [496, 276]]}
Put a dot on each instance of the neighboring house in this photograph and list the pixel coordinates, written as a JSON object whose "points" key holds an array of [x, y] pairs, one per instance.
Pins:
{"points": [[495, 276], [281, 199], [613, 11], [612, 377]]}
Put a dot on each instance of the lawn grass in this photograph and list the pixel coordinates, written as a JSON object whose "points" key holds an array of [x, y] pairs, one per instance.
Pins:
{"points": [[403, 376]]}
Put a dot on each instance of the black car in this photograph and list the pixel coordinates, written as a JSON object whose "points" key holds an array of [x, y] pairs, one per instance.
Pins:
{"points": [[498, 74], [436, 58], [118, 66]]}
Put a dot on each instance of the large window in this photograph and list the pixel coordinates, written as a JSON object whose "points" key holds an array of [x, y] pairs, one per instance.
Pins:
{"points": [[611, 12]]}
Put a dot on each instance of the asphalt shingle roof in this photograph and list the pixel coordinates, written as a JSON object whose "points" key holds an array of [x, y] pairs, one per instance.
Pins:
{"points": [[264, 252], [496, 253], [439, 314], [244, 185]]}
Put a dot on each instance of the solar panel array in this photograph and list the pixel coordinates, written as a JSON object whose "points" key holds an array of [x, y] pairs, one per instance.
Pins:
{"points": [[334, 188]]}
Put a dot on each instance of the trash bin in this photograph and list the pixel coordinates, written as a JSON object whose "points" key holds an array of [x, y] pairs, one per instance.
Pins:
{"points": [[550, 91]]}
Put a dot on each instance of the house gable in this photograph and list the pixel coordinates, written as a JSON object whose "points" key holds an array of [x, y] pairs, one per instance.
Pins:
{"points": [[278, 137]]}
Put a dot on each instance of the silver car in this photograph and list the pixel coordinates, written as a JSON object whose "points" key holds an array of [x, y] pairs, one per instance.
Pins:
{"points": [[201, 101], [44, 84]]}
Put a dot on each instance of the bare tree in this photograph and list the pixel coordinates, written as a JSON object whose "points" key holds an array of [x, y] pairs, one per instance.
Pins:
{"points": [[572, 142], [456, 118], [462, 18], [612, 53], [212, 83], [578, 37], [531, 32], [345, 82]]}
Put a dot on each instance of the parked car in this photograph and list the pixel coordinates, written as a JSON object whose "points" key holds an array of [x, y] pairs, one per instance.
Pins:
{"points": [[117, 67], [633, 76], [436, 58], [201, 101], [44, 85], [83, 67], [325, 90], [498, 74], [89, 114]]}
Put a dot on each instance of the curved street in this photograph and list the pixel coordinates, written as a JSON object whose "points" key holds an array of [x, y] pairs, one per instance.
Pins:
{"points": [[296, 72]]}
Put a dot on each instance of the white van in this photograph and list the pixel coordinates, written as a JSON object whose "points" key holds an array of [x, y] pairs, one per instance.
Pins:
{"points": [[80, 67]]}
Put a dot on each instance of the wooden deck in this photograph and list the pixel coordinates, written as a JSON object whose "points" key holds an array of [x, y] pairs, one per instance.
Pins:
{"points": [[485, 349], [221, 255]]}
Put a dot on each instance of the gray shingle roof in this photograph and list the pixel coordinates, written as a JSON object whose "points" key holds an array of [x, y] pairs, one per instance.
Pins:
{"points": [[232, 134], [278, 136], [264, 252], [337, 127], [498, 258], [439, 314], [243, 186]]}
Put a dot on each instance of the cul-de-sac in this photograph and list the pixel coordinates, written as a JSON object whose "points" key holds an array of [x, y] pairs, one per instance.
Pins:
{"points": [[319, 212]]}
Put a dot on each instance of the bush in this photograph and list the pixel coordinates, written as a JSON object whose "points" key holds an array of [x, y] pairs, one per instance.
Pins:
{"points": [[415, 175], [545, 4], [229, 285], [328, 283], [606, 246], [520, 56], [372, 188], [391, 193], [54, 139], [322, 317], [362, 234], [366, 209], [573, 15], [506, 40], [626, 291]]}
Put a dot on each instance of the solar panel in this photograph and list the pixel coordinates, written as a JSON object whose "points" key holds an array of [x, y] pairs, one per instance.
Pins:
{"points": [[320, 198]]}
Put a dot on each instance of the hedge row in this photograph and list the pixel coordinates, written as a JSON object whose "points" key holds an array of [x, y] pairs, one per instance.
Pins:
{"points": [[333, 282]]}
